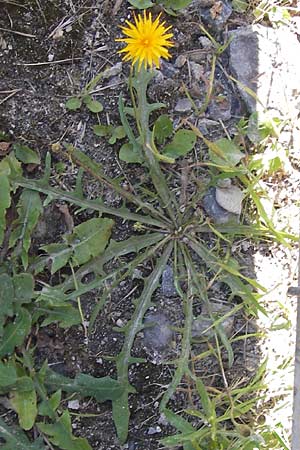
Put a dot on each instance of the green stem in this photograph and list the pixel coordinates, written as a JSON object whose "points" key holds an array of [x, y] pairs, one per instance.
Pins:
{"points": [[143, 111]]}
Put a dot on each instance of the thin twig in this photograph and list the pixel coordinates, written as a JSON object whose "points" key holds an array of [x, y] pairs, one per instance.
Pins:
{"points": [[12, 93], [117, 6], [18, 32], [46, 63]]}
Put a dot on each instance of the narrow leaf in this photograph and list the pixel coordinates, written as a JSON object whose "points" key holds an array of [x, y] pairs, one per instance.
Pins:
{"points": [[4, 203], [6, 299]]}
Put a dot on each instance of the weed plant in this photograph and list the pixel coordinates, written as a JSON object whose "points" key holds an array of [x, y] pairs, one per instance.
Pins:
{"points": [[165, 233]]}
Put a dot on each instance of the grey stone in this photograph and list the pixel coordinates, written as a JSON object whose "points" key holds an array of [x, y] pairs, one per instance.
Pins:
{"points": [[206, 42], [220, 110], [167, 284], [217, 15], [215, 211], [266, 60], [230, 198], [112, 71], [167, 69], [180, 61], [157, 332], [154, 430], [183, 105], [203, 321], [197, 70]]}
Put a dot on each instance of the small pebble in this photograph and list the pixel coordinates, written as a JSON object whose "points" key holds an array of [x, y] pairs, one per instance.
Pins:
{"points": [[214, 210], [167, 285], [183, 105], [73, 404], [155, 430]]}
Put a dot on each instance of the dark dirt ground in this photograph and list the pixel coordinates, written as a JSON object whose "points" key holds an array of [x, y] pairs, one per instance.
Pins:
{"points": [[61, 45]]}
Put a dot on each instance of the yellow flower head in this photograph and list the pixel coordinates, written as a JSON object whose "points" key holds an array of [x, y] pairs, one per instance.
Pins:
{"points": [[146, 41]]}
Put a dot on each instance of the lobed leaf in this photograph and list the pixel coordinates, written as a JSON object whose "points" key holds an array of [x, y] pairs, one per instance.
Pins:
{"points": [[15, 332], [60, 434], [26, 155], [102, 389], [29, 210], [16, 439]]}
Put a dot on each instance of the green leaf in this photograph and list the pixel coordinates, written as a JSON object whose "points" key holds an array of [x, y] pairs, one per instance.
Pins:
{"points": [[205, 400], [65, 315], [224, 152], [29, 209], [121, 411], [182, 143], [54, 305], [88, 240], [131, 154], [141, 4], [59, 255], [26, 155], [16, 439], [24, 403], [6, 299], [93, 105], [4, 203], [102, 389], [240, 5], [24, 285], [176, 4], [49, 406], [24, 383], [73, 103], [8, 374], [117, 133], [15, 333], [163, 128], [101, 130], [114, 133], [60, 434], [180, 424]]}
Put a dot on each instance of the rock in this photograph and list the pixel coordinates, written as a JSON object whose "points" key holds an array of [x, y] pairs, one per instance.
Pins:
{"points": [[206, 42], [73, 404], [197, 70], [112, 71], [167, 285], [203, 321], [167, 69], [183, 105], [157, 333], [198, 55], [217, 15], [120, 323], [230, 198], [215, 211], [266, 60], [180, 61], [154, 430], [220, 109]]}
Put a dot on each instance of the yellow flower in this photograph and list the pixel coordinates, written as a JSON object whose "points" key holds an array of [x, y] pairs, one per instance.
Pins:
{"points": [[146, 41]]}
